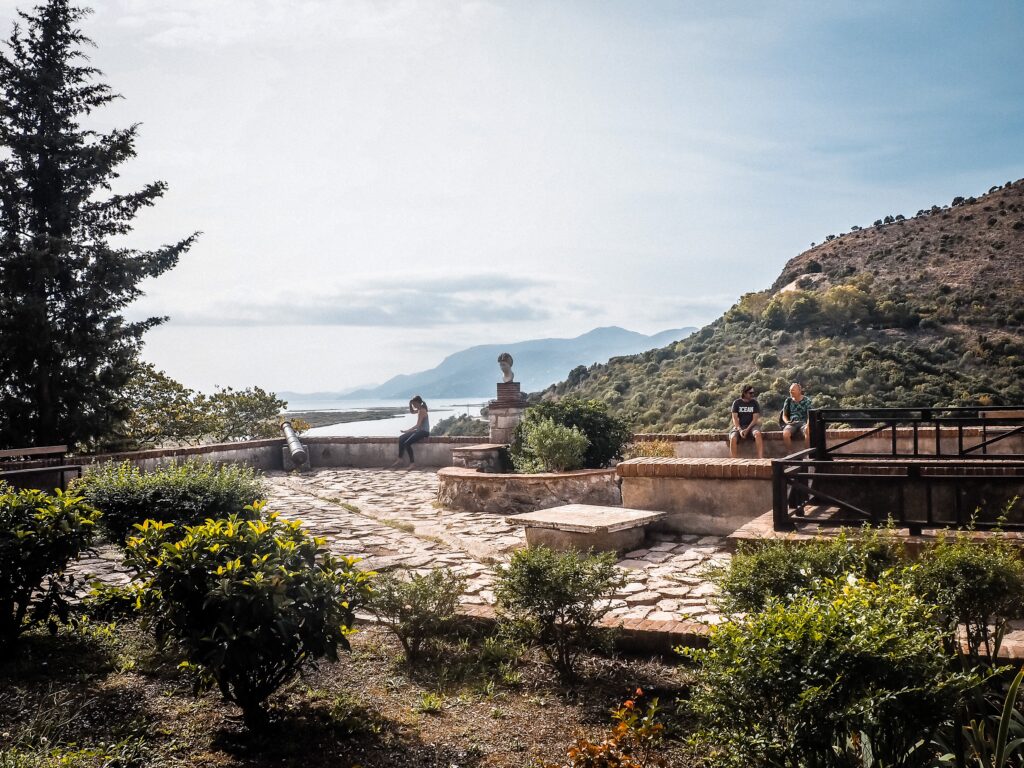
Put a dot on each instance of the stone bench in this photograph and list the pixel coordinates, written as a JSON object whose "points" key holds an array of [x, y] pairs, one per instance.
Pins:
{"points": [[711, 496], [586, 526]]}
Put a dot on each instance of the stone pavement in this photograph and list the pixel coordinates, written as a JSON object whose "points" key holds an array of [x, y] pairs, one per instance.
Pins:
{"points": [[391, 519]]}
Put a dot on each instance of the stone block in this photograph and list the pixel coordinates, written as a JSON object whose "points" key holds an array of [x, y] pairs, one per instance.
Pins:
{"points": [[586, 526]]}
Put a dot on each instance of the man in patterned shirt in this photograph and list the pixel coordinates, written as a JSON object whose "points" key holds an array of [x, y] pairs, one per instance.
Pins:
{"points": [[794, 414]]}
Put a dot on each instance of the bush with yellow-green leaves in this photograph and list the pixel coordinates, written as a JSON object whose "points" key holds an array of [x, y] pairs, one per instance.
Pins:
{"points": [[246, 602]]}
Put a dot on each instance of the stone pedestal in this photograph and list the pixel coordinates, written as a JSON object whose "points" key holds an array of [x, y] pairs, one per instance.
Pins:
{"points": [[506, 412]]}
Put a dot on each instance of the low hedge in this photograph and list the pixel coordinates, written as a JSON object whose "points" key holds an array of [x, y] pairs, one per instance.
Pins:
{"points": [[183, 493]]}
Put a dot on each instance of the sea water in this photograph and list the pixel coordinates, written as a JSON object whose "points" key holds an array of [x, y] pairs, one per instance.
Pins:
{"points": [[439, 409]]}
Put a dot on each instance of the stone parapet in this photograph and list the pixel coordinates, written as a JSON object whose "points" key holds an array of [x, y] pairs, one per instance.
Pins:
{"points": [[696, 468]]}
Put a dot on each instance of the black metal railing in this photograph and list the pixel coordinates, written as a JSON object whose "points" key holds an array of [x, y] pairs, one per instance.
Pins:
{"points": [[911, 493], [21, 466], [920, 432]]}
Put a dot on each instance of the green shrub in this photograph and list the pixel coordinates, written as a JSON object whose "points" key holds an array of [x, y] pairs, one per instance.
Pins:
{"points": [[183, 493], [606, 434], [975, 584], [764, 571], [417, 607], [463, 424], [246, 602], [549, 447], [109, 602], [39, 535], [556, 599], [990, 732], [852, 673]]}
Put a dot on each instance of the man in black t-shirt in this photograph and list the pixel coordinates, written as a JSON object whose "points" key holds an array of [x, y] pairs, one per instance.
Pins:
{"points": [[746, 422]]}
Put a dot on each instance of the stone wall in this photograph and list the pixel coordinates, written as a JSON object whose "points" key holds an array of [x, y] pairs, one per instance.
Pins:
{"points": [[510, 494], [323, 452], [380, 451], [262, 454], [705, 496]]}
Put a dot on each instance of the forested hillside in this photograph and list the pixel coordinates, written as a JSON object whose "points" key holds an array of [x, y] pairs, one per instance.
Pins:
{"points": [[914, 311]]}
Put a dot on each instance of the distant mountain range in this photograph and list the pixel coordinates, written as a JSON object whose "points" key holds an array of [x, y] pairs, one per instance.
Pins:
{"points": [[539, 363]]}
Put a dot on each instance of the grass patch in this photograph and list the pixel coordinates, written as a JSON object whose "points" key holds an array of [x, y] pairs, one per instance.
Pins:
{"points": [[399, 525]]}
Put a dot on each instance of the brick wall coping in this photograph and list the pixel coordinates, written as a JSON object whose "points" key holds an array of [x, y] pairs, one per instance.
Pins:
{"points": [[714, 469], [641, 635], [187, 450], [501, 477], [833, 434], [651, 636]]}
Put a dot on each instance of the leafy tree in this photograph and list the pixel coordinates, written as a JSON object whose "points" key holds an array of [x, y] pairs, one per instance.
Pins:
{"points": [[244, 414], [65, 349], [160, 410], [463, 424]]}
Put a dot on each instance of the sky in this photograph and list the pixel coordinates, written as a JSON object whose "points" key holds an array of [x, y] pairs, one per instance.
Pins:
{"points": [[380, 184]]}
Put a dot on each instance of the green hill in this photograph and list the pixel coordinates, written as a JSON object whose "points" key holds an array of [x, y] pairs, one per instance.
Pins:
{"points": [[921, 311]]}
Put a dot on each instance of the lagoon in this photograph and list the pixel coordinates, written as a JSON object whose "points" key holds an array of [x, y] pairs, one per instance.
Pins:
{"points": [[387, 427]]}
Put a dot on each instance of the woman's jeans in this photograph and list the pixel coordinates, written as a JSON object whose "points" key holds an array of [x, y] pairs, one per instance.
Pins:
{"points": [[405, 442]]}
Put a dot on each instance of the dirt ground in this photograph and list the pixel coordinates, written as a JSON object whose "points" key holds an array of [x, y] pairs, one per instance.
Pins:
{"points": [[101, 697]]}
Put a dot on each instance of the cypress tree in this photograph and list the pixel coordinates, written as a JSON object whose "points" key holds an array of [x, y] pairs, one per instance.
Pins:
{"points": [[66, 351]]}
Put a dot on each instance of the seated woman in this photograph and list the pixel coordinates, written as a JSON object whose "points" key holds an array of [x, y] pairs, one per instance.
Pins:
{"points": [[417, 431]]}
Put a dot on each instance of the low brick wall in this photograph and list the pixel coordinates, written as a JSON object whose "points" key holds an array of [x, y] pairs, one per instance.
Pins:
{"points": [[511, 494], [712, 496]]}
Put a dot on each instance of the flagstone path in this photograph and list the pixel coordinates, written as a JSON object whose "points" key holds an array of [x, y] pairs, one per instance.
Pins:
{"points": [[391, 520]]}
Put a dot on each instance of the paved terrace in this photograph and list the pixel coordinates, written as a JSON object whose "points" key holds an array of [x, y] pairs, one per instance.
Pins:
{"points": [[391, 520]]}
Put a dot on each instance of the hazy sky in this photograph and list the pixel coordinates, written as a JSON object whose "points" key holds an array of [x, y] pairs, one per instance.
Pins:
{"points": [[382, 183]]}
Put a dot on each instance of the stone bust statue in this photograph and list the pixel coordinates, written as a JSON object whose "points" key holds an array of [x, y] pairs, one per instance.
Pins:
{"points": [[505, 363]]}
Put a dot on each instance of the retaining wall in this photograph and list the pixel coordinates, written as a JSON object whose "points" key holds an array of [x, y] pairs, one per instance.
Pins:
{"points": [[709, 496]]}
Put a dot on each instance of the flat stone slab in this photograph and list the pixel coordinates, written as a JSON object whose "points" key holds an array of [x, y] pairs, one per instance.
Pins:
{"points": [[586, 518]]}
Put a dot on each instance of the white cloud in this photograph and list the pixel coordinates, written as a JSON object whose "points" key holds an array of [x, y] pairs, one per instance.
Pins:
{"points": [[223, 23], [376, 301]]}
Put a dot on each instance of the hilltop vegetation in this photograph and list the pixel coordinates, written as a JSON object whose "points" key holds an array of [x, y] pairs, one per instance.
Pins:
{"points": [[923, 311]]}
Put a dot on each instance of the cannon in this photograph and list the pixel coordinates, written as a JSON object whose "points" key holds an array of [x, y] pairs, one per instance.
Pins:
{"points": [[294, 452]]}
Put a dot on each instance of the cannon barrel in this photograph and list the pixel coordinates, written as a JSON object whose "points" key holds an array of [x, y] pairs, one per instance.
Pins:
{"points": [[297, 449]]}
